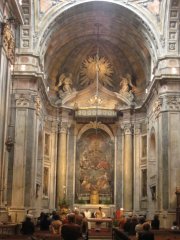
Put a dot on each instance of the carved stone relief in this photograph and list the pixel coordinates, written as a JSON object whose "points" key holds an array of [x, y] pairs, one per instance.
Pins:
{"points": [[8, 42], [22, 100], [173, 26], [38, 105], [26, 28], [157, 107], [172, 102]]}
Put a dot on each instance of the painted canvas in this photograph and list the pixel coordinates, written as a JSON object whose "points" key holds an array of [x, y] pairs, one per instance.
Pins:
{"points": [[95, 165]]}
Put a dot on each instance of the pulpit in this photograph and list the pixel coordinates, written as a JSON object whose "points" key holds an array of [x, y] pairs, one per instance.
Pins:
{"points": [[178, 205]]}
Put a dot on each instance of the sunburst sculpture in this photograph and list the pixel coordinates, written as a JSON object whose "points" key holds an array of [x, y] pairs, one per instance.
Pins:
{"points": [[89, 68]]}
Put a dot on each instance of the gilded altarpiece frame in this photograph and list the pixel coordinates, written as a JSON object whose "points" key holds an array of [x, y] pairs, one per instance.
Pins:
{"points": [[94, 167]]}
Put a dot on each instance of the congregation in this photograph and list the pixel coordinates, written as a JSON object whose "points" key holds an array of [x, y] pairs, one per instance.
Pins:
{"points": [[75, 225]]}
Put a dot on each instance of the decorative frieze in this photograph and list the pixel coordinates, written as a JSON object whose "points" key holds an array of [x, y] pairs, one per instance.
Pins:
{"points": [[167, 103], [96, 112], [172, 103]]}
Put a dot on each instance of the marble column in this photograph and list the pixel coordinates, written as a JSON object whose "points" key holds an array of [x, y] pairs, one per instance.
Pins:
{"points": [[128, 169], [62, 162]]}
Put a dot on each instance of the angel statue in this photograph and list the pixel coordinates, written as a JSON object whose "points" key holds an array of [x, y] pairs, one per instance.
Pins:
{"points": [[126, 86], [65, 82]]}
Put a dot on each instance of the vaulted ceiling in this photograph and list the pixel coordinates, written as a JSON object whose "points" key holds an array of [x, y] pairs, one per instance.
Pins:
{"points": [[121, 36]]}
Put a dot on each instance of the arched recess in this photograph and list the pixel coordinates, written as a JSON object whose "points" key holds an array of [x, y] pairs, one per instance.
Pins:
{"points": [[95, 126], [94, 167], [48, 27], [128, 37], [152, 145]]}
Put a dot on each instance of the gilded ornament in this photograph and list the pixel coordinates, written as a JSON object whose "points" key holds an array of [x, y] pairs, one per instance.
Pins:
{"points": [[9, 42], [89, 69]]}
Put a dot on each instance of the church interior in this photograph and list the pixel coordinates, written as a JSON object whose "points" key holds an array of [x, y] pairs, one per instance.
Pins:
{"points": [[90, 107]]}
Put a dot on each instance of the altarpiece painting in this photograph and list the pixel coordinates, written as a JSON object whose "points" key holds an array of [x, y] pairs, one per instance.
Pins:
{"points": [[95, 166]]}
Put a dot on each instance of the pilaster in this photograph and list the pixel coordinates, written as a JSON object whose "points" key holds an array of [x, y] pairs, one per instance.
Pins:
{"points": [[136, 192], [128, 168], [62, 162]]}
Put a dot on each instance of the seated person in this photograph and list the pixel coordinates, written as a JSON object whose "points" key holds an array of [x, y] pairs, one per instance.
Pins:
{"points": [[139, 226], [155, 222], [27, 226], [122, 221], [44, 222], [175, 226], [146, 234], [55, 226], [71, 230], [84, 227], [78, 217], [120, 235]]}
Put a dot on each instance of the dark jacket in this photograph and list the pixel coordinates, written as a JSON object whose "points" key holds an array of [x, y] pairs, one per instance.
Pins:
{"points": [[71, 231], [146, 235], [27, 227]]}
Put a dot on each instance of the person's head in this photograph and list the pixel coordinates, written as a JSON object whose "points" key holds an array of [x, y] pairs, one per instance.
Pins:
{"points": [[100, 208], [146, 227], [174, 223], [71, 218], [141, 220], [156, 216], [42, 214], [76, 211], [56, 217], [54, 212], [29, 211]]}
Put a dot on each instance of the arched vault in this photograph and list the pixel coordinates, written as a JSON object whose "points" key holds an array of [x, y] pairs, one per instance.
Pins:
{"points": [[121, 33]]}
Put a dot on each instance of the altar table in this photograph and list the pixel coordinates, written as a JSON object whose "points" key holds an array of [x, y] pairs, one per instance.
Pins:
{"points": [[108, 221]]}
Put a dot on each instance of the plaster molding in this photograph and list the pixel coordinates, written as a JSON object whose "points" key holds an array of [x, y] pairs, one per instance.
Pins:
{"points": [[95, 125]]}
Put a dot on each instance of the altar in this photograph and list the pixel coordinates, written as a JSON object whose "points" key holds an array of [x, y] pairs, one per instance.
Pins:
{"points": [[105, 228], [106, 221], [107, 209]]}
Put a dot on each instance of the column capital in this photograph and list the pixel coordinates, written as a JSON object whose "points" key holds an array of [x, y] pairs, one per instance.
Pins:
{"points": [[127, 127], [63, 127], [137, 128], [23, 100]]}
